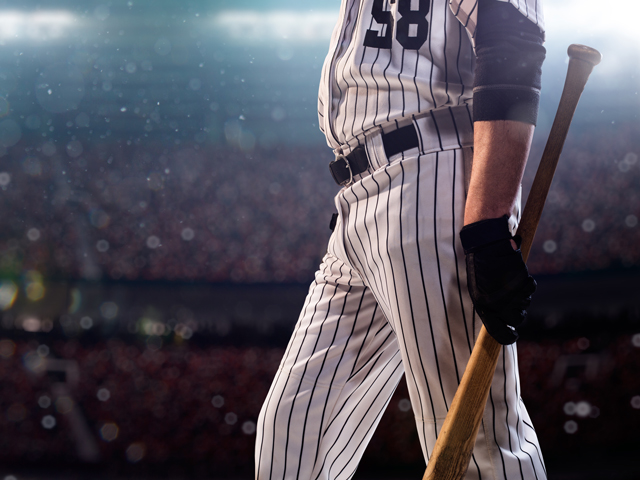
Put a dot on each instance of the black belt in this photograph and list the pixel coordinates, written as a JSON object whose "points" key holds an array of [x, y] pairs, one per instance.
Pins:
{"points": [[345, 167]]}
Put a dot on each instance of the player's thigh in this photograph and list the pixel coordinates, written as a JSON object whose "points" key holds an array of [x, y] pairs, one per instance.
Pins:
{"points": [[339, 328], [416, 267]]}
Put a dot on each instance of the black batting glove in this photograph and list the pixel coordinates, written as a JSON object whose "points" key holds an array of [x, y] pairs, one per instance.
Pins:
{"points": [[497, 277]]}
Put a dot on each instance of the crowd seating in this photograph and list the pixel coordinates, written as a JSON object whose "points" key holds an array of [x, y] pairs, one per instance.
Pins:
{"points": [[212, 213], [185, 403]]}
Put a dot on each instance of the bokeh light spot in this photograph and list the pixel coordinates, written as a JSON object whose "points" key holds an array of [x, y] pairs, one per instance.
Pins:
{"points": [[31, 324], [188, 234], [74, 148], [64, 404], [5, 179], [48, 422], [570, 427], [35, 291], [135, 452], [404, 405], [99, 218], [86, 323], [109, 432], [102, 246], [248, 427], [109, 310], [550, 246], [33, 234], [583, 409], [153, 242], [217, 401], [8, 294], [588, 225], [103, 394], [43, 351], [569, 408]]}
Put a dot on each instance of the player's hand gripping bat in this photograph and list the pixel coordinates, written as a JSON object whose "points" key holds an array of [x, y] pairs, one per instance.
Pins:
{"points": [[452, 451]]}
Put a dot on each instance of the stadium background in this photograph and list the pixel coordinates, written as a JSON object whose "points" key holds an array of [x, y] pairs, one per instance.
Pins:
{"points": [[164, 200]]}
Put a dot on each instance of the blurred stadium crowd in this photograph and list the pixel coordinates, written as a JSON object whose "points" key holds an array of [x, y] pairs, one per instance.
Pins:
{"points": [[200, 211], [127, 403]]}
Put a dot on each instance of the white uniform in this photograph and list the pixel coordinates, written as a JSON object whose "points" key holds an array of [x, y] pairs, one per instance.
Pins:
{"points": [[390, 297]]}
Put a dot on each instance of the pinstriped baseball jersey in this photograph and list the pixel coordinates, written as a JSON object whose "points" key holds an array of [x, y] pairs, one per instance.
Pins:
{"points": [[393, 60], [388, 299]]}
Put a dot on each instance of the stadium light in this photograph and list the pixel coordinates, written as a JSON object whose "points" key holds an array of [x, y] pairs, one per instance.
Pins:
{"points": [[39, 25], [254, 26]]}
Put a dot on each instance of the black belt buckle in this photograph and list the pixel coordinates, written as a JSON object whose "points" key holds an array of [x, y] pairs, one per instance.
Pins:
{"points": [[341, 171]]}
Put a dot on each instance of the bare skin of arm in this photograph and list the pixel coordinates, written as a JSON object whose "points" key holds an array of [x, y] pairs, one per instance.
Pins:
{"points": [[501, 149]]}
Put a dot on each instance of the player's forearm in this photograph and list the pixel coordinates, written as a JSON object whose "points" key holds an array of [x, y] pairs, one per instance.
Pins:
{"points": [[506, 94], [501, 148]]}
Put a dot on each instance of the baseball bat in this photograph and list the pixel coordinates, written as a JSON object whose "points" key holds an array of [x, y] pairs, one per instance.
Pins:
{"points": [[452, 451]]}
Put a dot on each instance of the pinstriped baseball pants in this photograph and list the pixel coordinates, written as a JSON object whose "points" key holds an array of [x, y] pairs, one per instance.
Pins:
{"points": [[389, 298]]}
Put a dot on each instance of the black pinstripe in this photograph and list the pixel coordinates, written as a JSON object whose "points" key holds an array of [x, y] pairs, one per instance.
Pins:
{"points": [[434, 104], [535, 446], [446, 61]]}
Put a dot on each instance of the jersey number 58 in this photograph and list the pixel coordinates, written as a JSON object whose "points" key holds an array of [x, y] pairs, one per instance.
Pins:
{"points": [[412, 28]]}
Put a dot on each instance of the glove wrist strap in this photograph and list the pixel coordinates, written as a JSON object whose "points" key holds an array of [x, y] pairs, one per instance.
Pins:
{"points": [[485, 232]]}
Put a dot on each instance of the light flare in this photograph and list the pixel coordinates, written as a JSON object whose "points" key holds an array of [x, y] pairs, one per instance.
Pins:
{"points": [[255, 26], [40, 25]]}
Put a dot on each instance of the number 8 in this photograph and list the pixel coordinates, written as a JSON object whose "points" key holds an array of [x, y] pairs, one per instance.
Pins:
{"points": [[413, 17], [409, 17]]}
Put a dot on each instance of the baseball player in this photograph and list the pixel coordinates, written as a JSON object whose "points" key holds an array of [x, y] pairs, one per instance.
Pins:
{"points": [[412, 93]]}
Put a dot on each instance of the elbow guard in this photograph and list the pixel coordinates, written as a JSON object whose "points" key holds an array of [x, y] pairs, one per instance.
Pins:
{"points": [[508, 68]]}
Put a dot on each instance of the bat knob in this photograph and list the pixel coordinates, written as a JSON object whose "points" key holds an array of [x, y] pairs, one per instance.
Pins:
{"points": [[587, 54]]}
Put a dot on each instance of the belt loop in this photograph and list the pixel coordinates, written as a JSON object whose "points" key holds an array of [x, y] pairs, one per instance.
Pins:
{"points": [[375, 148]]}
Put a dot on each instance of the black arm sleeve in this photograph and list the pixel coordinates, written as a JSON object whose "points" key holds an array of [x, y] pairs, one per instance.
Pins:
{"points": [[509, 55]]}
